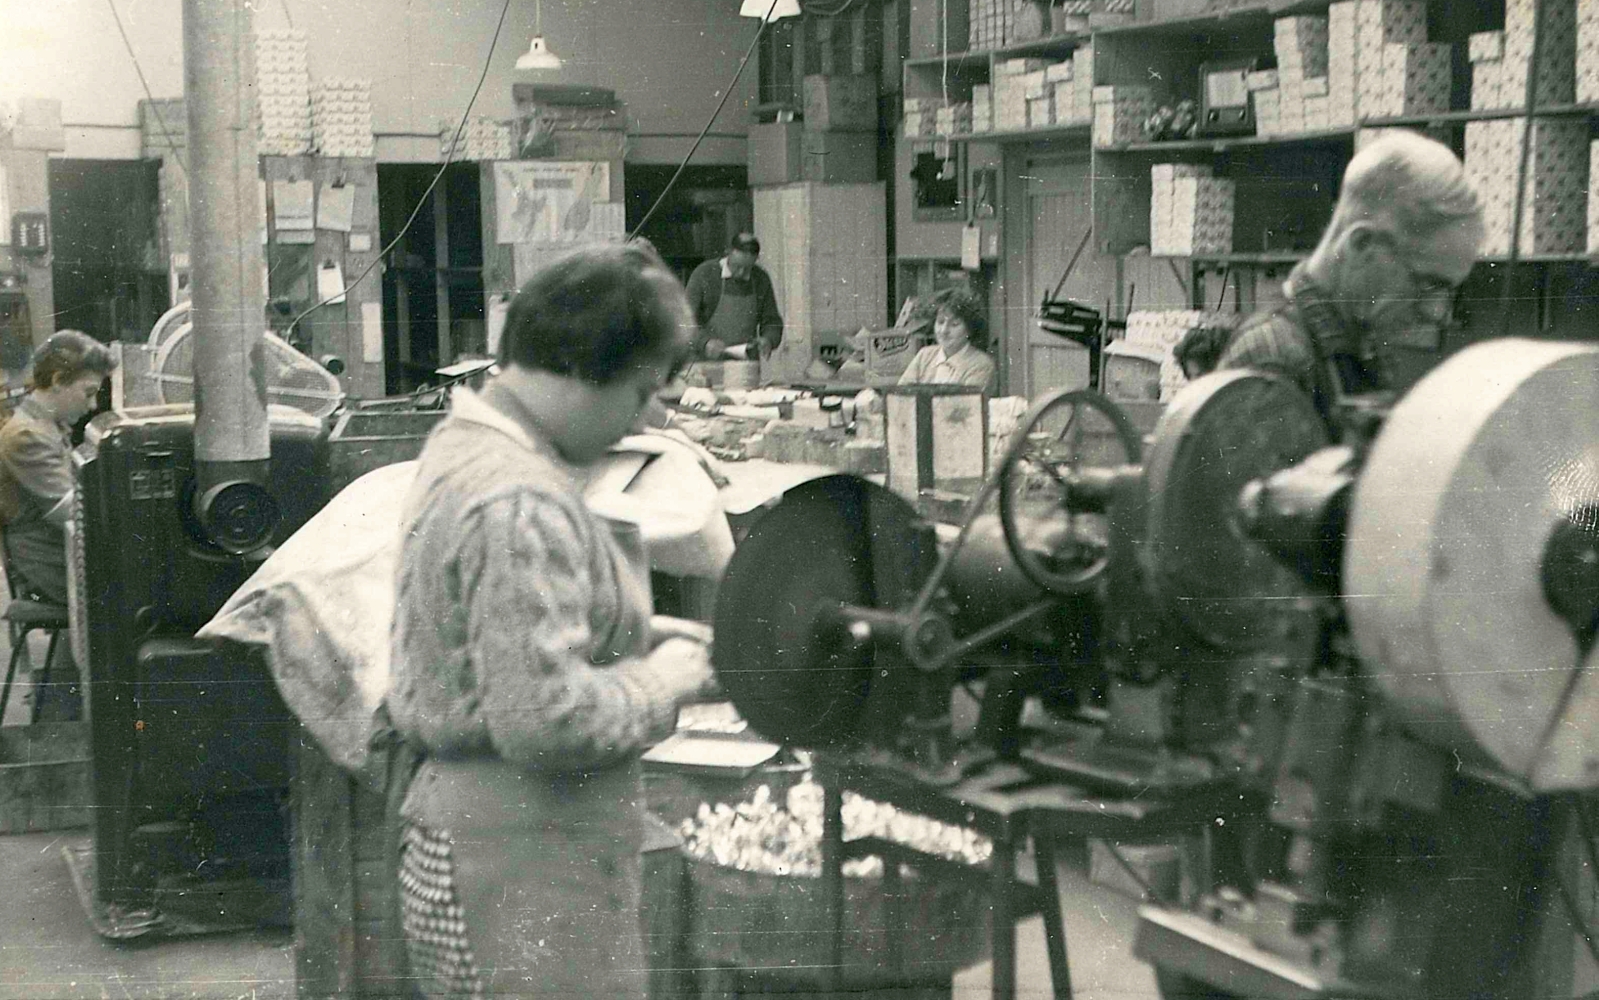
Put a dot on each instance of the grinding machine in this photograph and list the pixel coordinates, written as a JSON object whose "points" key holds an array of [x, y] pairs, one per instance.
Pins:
{"points": [[1373, 649]]}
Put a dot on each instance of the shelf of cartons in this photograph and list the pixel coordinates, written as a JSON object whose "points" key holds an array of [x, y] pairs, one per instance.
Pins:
{"points": [[1282, 185]]}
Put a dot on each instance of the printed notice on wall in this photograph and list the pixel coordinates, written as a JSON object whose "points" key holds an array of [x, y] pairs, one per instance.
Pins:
{"points": [[551, 202], [293, 204], [372, 333], [336, 207]]}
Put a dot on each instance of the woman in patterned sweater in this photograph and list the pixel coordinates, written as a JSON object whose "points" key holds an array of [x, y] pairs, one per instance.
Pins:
{"points": [[524, 666]]}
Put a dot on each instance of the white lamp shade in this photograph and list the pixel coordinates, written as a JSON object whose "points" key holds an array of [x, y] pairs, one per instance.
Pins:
{"points": [[759, 8], [538, 57]]}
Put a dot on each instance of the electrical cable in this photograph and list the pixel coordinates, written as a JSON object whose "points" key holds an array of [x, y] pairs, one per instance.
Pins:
{"points": [[285, 5], [423, 200], [726, 93], [154, 108], [1530, 102]]}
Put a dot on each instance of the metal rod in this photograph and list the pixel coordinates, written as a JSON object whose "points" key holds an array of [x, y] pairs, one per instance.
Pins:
{"points": [[231, 436]]}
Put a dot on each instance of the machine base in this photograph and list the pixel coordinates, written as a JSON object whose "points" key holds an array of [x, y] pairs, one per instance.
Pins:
{"points": [[184, 907], [1176, 942]]}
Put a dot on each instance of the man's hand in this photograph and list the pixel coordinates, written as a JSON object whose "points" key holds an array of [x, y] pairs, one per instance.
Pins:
{"points": [[714, 348]]}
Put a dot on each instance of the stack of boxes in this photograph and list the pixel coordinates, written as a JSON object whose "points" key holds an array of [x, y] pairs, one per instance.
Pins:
{"points": [[839, 145], [283, 89], [1161, 331], [1301, 45], [1190, 211], [954, 118], [1399, 72], [341, 118], [1501, 61], [1343, 42], [1267, 98], [1587, 54], [1010, 91], [989, 25], [982, 108], [1554, 191], [921, 117], [1119, 113], [481, 139], [1365, 59]]}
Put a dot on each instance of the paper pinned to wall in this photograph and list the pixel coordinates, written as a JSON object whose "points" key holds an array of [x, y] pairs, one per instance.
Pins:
{"points": [[330, 283], [336, 208], [539, 201], [499, 305], [261, 208], [971, 248], [372, 333], [360, 242], [293, 204]]}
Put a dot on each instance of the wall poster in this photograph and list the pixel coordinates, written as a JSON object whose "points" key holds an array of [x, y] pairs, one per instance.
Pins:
{"points": [[544, 201]]}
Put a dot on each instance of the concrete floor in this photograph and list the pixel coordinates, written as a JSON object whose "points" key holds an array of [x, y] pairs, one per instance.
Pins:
{"points": [[49, 950]]}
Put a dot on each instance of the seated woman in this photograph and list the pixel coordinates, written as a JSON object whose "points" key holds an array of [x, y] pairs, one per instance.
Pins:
{"points": [[36, 459], [961, 331], [524, 666]]}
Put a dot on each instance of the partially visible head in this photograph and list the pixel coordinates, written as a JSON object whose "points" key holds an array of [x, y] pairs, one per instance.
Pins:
{"points": [[742, 253], [68, 370], [1404, 235], [607, 325], [960, 319]]}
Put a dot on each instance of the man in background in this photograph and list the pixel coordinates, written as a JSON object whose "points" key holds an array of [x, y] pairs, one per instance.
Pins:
{"points": [[734, 303], [1402, 239]]}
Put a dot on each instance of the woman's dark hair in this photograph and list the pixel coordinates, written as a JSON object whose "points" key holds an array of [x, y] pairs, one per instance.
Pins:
{"points": [[969, 309], [66, 354], [596, 313]]}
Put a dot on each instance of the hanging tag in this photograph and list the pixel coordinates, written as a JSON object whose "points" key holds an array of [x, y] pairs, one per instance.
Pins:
{"points": [[971, 247], [330, 283]]}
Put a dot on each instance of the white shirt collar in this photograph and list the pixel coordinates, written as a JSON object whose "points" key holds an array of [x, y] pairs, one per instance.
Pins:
{"points": [[727, 269]]}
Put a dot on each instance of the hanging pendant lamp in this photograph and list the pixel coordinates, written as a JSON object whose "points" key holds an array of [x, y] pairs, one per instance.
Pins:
{"points": [[766, 10], [538, 55]]}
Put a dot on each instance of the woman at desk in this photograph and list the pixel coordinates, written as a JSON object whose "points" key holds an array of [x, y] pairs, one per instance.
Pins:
{"points": [[960, 330]]}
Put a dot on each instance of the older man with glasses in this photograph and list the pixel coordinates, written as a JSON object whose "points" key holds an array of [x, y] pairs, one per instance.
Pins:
{"points": [[1403, 238]]}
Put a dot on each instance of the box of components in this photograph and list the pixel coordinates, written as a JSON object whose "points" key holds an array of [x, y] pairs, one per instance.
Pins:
{"points": [[1557, 51], [1268, 111]]}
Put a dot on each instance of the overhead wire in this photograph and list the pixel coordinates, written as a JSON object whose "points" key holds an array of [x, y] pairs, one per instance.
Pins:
{"points": [[155, 109], [423, 200], [726, 93]]}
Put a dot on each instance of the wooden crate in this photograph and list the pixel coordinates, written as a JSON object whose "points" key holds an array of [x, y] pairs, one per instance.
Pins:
{"points": [[44, 777]]}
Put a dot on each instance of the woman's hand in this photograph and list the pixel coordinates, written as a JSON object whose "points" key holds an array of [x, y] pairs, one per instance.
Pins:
{"points": [[686, 663]]}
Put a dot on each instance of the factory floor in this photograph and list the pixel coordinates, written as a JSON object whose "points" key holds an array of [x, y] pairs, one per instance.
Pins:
{"points": [[49, 950]]}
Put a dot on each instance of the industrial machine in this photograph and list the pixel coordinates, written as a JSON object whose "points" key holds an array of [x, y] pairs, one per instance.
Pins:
{"points": [[1376, 647], [190, 739]]}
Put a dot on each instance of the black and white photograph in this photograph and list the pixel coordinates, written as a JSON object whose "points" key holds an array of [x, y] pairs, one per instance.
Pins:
{"points": [[808, 499]]}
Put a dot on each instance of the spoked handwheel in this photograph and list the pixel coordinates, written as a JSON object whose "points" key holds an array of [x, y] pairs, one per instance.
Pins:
{"points": [[1060, 549]]}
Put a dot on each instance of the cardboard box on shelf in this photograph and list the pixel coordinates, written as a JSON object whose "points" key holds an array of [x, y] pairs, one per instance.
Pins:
{"points": [[774, 152], [1415, 80], [1119, 113], [839, 157], [841, 103]]}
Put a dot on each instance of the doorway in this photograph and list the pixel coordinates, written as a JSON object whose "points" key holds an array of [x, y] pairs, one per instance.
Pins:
{"points": [[705, 209], [433, 301], [1048, 213], [106, 267]]}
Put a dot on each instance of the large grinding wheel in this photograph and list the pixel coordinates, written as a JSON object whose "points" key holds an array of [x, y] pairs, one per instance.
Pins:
{"points": [[780, 653], [1452, 515], [1221, 432]]}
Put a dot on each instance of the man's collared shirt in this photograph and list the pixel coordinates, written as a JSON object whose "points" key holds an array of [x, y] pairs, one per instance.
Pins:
{"points": [[1309, 339]]}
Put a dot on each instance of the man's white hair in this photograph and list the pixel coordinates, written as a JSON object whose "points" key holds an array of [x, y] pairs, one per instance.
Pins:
{"points": [[1406, 183]]}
